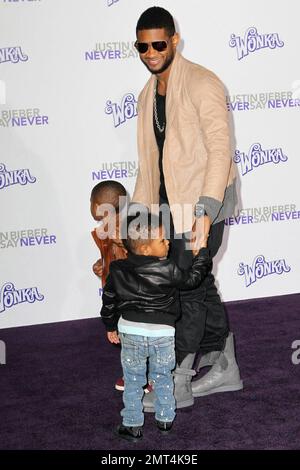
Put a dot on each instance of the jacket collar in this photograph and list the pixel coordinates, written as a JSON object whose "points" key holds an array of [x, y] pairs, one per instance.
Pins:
{"points": [[172, 89], [141, 260]]}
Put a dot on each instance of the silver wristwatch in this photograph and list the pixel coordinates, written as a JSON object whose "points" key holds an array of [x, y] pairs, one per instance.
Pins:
{"points": [[199, 210]]}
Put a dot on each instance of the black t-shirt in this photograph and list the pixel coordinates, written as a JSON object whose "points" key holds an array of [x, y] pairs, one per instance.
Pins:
{"points": [[160, 139]]}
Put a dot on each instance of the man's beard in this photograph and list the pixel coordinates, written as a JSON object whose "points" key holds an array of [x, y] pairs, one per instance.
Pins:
{"points": [[164, 67]]}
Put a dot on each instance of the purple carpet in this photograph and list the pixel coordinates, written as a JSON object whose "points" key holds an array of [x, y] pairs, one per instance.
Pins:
{"points": [[57, 388]]}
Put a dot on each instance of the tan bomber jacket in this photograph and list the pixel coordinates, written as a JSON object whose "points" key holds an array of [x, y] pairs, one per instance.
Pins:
{"points": [[197, 159]]}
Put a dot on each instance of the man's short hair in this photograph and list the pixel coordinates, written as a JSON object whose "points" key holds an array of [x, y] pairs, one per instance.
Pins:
{"points": [[141, 229], [156, 18]]}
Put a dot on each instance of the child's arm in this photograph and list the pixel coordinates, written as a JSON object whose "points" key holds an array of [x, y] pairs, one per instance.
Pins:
{"points": [[108, 310], [192, 277]]}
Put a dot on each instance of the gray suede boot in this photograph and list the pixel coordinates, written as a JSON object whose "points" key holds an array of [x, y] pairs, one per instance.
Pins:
{"points": [[183, 382], [224, 376], [208, 360], [182, 386]]}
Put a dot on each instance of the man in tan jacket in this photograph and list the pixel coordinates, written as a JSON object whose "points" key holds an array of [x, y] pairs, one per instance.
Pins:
{"points": [[185, 163]]}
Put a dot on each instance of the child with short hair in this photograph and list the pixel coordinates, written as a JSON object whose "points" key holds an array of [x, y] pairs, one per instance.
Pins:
{"points": [[140, 306], [111, 248], [109, 194]]}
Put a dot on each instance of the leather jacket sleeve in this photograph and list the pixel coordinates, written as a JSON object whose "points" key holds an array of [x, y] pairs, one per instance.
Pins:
{"points": [[192, 277], [108, 311]]}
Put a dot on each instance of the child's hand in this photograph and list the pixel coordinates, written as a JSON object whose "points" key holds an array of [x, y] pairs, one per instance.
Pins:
{"points": [[113, 337], [98, 268]]}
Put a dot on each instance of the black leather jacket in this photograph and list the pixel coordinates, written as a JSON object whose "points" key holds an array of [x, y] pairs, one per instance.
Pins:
{"points": [[145, 288]]}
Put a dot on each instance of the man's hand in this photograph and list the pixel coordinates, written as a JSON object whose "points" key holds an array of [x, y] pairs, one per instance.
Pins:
{"points": [[113, 337], [98, 267], [200, 233]]}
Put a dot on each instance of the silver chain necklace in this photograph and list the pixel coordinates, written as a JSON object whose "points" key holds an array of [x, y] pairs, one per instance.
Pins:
{"points": [[159, 127]]}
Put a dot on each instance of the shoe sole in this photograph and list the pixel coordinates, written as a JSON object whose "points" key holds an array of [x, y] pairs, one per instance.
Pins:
{"points": [[224, 388], [128, 438], [163, 432], [183, 404], [148, 409], [121, 389]]}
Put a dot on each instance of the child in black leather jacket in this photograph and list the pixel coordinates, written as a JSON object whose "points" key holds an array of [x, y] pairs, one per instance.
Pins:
{"points": [[140, 308]]}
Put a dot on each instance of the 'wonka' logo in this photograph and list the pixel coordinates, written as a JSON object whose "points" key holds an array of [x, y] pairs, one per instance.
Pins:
{"points": [[127, 109], [9, 296], [257, 157], [12, 54], [8, 178], [111, 2], [261, 268], [253, 41]]}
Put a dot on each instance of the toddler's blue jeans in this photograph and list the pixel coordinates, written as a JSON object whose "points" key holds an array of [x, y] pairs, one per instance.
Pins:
{"points": [[134, 354]]}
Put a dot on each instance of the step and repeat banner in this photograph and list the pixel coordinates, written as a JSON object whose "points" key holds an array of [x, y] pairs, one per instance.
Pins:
{"points": [[69, 83]]}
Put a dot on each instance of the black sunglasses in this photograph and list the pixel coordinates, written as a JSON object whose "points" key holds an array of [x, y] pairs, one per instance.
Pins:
{"points": [[143, 47]]}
